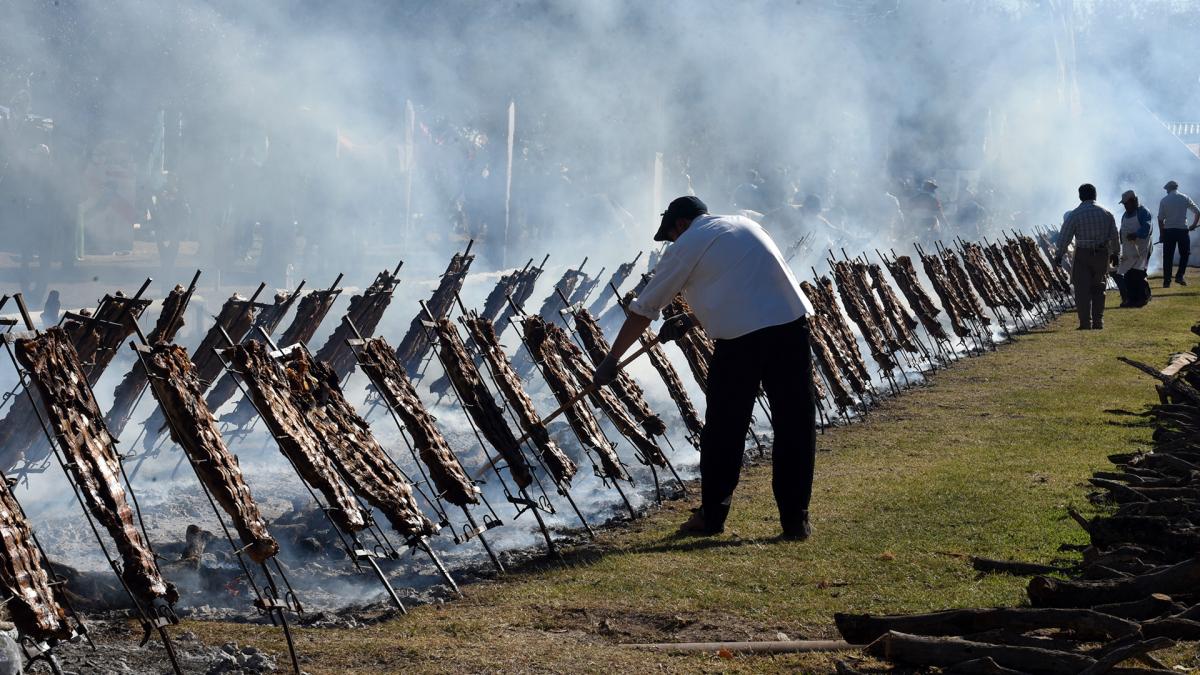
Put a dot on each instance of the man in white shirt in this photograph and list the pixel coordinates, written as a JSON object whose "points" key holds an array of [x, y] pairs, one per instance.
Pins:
{"points": [[743, 293], [1174, 231]]}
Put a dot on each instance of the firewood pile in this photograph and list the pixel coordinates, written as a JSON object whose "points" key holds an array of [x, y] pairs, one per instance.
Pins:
{"points": [[1133, 591]]}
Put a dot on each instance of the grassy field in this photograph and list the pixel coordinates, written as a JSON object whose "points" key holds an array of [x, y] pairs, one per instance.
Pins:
{"points": [[983, 461]]}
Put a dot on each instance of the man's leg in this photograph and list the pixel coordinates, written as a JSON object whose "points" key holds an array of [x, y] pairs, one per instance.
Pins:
{"points": [[1099, 283], [788, 382], [1168, 242], [1185, 248], [733, 380], [1081, 280], [1123, 288]]}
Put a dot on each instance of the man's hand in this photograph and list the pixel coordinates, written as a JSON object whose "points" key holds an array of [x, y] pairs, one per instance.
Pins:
{"points": [[1114, 260], [675, 328], [606, 372]]}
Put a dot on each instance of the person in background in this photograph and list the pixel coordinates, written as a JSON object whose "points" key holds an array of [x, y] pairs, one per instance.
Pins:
{"points": [[1130, 274], [1173, 230], [971, 218], [925, 212], [52, 310], [734, 277], [1096, 244]]}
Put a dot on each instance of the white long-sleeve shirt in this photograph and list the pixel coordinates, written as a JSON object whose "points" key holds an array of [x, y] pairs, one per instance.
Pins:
{"points": [[732, 275]]}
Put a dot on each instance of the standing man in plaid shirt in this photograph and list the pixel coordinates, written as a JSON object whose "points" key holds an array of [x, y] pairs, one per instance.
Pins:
{"points": [[1096, 246]]}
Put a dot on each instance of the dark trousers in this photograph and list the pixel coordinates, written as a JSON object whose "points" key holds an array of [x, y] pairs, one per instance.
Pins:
{"points": [[1089, 275], [1171, 238], [779, 359], [1137, 287]]}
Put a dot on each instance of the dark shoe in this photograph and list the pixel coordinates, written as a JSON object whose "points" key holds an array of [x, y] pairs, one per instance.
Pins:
{"points": [[697, 526], [1181, 281], [1082, 327], [1097, 326], [1166, 283], [1123, 305], [797, 533]]}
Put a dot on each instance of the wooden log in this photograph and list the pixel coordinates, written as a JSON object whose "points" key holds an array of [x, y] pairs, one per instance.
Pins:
{"points": [[1125, 653], [1178, 363], [946, 652], [1179, 578], [1012, 567], [1175, 384], [984, 666], [1172, 627], [1152, 606], [1001, 636], [196, 540], [1169, 507], [767, 647], [1124, 568], [1154, 531], [1119, 492], [1085, 624]]}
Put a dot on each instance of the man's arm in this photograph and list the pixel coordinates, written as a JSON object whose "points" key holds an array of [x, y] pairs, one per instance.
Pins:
{"points": [[1195, 218], [1114, 240], [1065, 235], [635, 324], [669, 278]]}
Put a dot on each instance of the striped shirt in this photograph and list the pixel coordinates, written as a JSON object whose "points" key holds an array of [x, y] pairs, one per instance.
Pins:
{"points": [[1092, 227]]}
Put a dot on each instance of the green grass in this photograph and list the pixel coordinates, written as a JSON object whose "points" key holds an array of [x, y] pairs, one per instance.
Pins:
{"points": [[983, 461]]}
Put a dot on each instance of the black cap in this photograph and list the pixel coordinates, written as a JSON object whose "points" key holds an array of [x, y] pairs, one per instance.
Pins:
{"points": [[682, 207]]}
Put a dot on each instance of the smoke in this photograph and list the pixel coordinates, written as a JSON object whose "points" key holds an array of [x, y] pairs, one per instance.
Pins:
{"points": [[293, 115]]}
